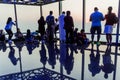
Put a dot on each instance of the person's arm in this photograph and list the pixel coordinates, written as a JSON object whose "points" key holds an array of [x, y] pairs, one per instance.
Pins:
{"points": [[47, 19], [115, 18], [14, 23], [44, 22], [72, 23], [90, 18], [103, 18]]}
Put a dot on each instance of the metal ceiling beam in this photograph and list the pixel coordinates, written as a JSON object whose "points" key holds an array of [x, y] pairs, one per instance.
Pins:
{"points": [[38, 3]]}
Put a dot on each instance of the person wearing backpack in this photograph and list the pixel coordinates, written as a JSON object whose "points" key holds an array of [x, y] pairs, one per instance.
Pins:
{"points": [[111, 19]]}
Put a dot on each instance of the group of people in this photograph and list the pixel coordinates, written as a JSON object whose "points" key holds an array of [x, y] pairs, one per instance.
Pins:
{"points": [[68, 32], [52, 27], [65, 24], [96, 17], [8, 29], [18, 35]]}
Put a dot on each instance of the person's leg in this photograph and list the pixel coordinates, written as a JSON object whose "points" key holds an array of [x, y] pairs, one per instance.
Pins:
{"points": [[98, 33], [92, 37], [110, 35], [98, 29], [110, 38], [50, 31], [51, 35], [98, 37], [10, 34], [71, 36], [107, 38], [92, 30], [67, 36]]}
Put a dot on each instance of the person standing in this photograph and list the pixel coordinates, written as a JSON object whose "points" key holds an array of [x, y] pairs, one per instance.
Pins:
{"points": [[41, 26], [50, 23], [61, 27], [8, 28], [111, 19], [96, 17], [69, 27]]}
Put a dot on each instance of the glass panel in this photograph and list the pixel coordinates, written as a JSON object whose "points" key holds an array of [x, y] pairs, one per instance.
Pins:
{"points": [[82, 62], [28, 17], [75, 6], [102, 8]]}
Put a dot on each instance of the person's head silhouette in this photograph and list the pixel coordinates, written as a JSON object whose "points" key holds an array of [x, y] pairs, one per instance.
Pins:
{"points": [[105, 75]]}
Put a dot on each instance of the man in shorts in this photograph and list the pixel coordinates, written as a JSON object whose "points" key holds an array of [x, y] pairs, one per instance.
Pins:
{"points": [[96, 17]]}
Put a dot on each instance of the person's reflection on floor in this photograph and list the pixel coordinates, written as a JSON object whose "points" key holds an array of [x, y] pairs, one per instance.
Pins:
{"points": [[108, 66], [3, 46], [57, 51], [31, 46], [51, 54], [43, 57], [12, 57], [73, 48], [94, 66], [63, 51], [19, 45], [69, 60], [82, 48]]}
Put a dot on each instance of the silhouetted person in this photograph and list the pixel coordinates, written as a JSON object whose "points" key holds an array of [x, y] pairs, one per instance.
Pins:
{"points": [[96, 17], [82, 37], [29, 38], [19, 36], [12, 57], [108, 66], [94, 66], [41, 26], [43, 56], [8, 28], [69, 27], [110, 18], [50, 23], [61, 27]]}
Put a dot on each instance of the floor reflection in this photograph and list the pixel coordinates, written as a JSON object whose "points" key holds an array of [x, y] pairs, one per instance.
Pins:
{"points": [[108, 66], [43, 56], [3, 46], [12, 56], [100, 62], [94, 66]]}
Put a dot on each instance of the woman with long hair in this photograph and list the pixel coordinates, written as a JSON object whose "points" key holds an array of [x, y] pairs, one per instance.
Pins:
{"points": [[8, 28]]}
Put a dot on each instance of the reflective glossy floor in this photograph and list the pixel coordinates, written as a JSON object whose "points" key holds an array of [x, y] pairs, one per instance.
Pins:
{"points": [[55, 61]]}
